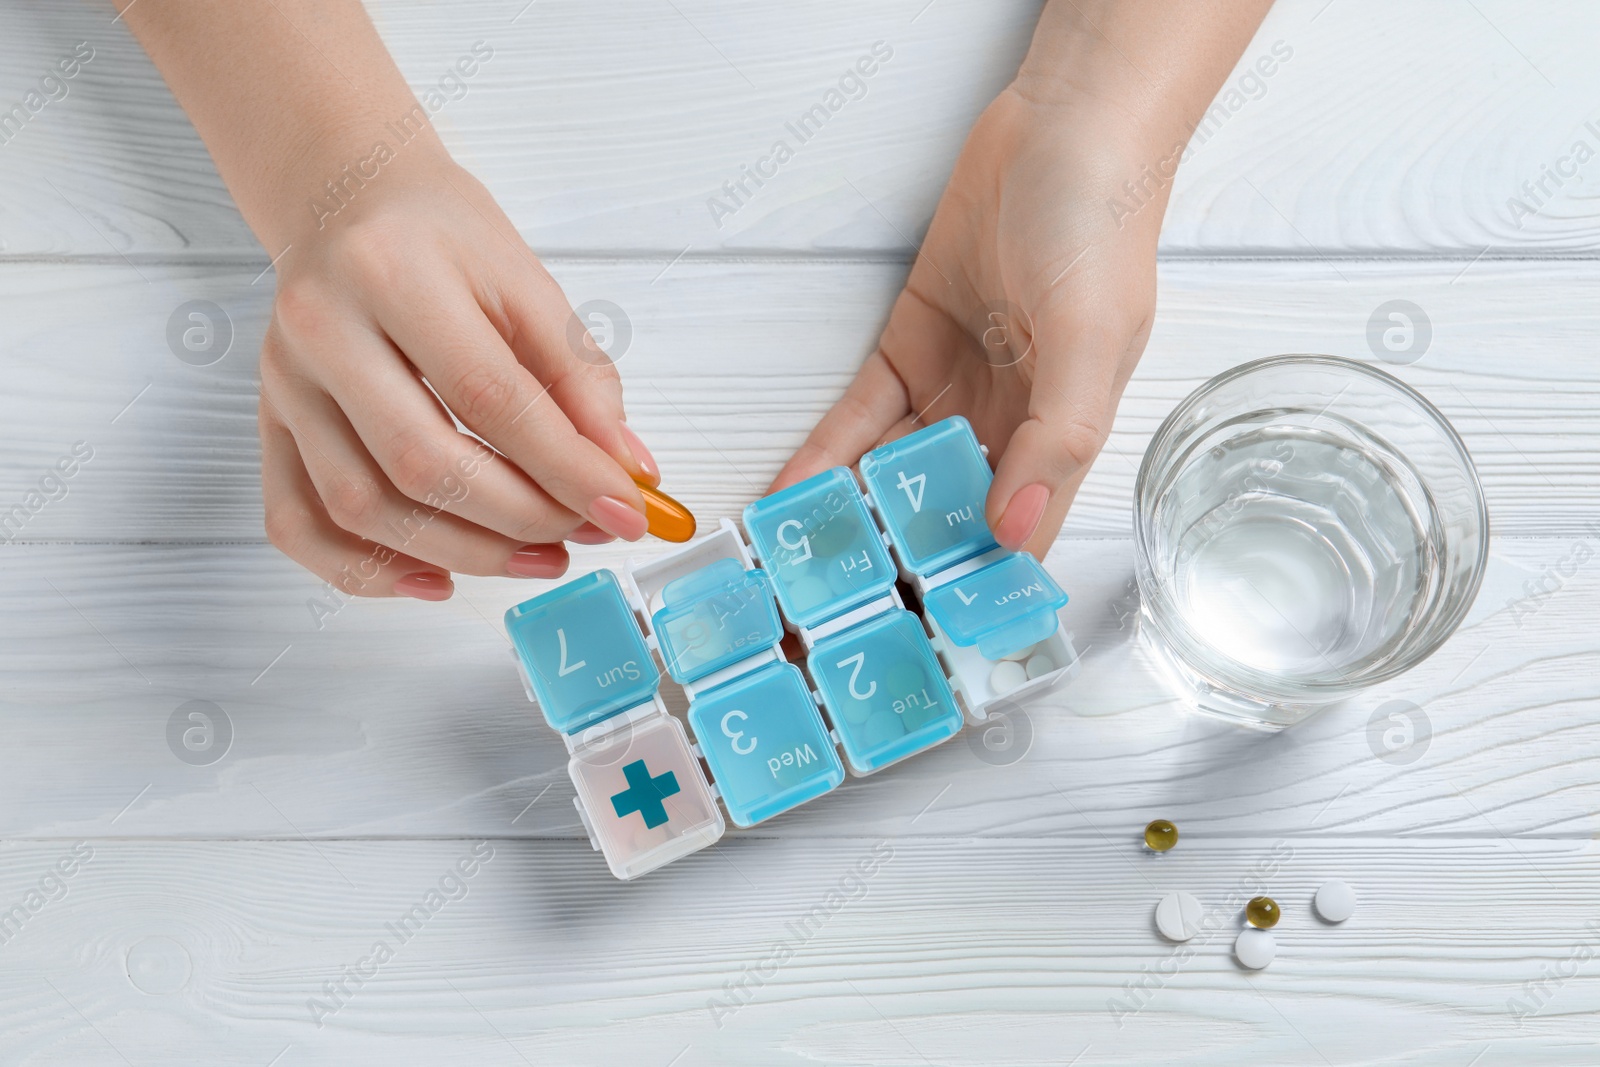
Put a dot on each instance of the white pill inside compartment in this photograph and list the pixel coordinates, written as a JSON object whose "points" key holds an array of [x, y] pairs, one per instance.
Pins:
{"points": [[1006, 676]]}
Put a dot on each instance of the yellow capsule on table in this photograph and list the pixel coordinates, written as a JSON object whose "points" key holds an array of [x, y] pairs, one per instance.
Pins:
{"points": [[664, 516], [1160, 835], [1262, 912]]}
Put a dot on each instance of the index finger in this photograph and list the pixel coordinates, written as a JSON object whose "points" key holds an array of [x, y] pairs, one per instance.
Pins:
{"points": [[475, 373]]}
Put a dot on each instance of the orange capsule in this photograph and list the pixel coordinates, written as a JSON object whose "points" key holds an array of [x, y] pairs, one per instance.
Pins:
{"points": [[667, 519]]}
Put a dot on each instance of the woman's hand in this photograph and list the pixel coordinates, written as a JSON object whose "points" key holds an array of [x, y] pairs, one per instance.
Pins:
{"points": [[1033, 294], [405, 296], [367, 481], [1025, 311]]}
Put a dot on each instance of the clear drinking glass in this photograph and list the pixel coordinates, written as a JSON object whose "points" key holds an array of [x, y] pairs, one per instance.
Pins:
{"points": [[1305, 526]]}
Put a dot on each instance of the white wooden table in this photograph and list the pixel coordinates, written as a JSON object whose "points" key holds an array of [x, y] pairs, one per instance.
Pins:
{"points": [[1009, 915]]}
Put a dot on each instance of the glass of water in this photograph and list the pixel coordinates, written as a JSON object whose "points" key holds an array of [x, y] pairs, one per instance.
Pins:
{"points": [[1305, 526]]}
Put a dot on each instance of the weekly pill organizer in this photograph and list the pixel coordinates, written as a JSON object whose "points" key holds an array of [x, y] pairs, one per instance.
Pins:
{"points": [[877, 683]]}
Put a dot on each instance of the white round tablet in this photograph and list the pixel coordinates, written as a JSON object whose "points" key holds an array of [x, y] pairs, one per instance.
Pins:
{"points": [[1255, 948], [1039, 664], [657, 602], [1021, 653], [1335, 901], [1006, 676], [1178, 916]]}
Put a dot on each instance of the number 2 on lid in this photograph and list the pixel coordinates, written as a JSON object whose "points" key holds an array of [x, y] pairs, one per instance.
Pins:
{"points": [[858, 661]]}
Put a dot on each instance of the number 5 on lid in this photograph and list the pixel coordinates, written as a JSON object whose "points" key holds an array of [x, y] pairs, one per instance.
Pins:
{"points": [[818, 543]]}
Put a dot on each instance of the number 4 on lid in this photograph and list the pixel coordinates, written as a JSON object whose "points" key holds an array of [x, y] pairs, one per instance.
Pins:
{"points": [[930, 488]]}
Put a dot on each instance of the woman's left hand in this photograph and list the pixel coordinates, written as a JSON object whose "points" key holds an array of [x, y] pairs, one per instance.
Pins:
{"points": [[1033, 294], [1026, 310]]}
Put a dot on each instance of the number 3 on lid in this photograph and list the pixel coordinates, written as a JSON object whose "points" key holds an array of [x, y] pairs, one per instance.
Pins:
{"points": [[764, 740]]}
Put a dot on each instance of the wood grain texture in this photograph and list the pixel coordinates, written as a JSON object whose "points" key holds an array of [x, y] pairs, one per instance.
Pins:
{"points": [[951, 952], [732, 363], [1009, 918], [396, 720], [1388, 130]]}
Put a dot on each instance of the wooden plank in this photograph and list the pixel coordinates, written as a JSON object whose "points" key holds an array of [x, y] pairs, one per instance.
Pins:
{"points": [[926, 952], [611, 127], [1010, 908], [732, 363], [399, 719]]}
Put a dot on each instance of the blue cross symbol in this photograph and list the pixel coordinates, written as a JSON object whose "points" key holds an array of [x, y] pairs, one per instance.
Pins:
{"points": [[645, 794]]}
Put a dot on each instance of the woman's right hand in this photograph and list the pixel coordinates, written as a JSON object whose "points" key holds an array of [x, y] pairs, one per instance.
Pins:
{"points": [[367, 480]]}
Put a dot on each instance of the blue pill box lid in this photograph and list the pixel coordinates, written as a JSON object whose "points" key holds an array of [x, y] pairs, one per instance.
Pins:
{"points": [[713, 617], [885, 691], [1002, 608], [765, 742], [930, 487], [820, 546], [581, 652]]}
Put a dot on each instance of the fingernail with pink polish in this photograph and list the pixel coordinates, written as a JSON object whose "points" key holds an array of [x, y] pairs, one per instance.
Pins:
{"points": [[616, 517], [590, 534], [425, 585], [537, 561], [641, 454], [1022, 515]]}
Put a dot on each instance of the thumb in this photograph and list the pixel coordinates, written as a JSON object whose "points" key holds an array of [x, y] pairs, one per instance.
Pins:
{"points": [[1077, 379]]}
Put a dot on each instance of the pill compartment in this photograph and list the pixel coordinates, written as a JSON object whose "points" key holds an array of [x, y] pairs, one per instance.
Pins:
{"points": [[929, 489], [820, 546], [765, 742], [1005, 606], [642, 795], [885, 690], [648, 580], [985, 685], [580, 652], [752, 716], [992, 613], [713, 617]]}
